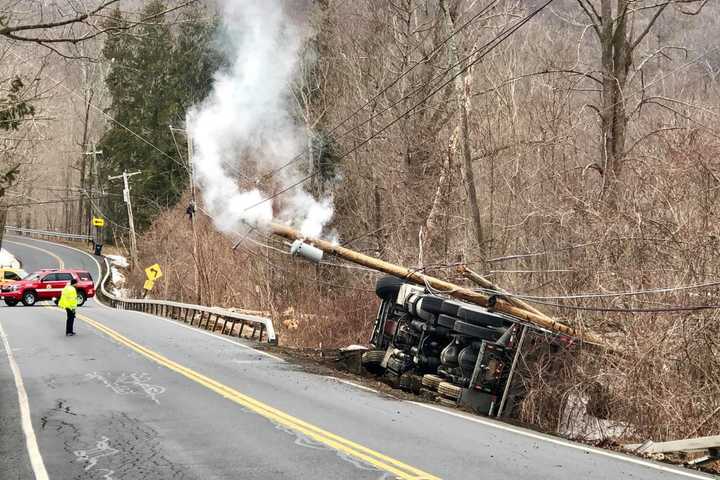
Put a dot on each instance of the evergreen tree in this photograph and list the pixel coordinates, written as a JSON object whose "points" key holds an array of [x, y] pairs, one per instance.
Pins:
{"points": [[155, 75]]}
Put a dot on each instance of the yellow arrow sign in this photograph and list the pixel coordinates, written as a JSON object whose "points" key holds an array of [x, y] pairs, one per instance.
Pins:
{"points": [[149, 284], [98, 222], [153, 272]]}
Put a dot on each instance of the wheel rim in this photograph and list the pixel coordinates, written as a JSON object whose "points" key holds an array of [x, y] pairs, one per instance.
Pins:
{"points": [[81, 299], [29, 298]]}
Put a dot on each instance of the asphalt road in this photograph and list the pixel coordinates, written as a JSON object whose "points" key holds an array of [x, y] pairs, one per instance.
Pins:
{"points": [[134, 396]]}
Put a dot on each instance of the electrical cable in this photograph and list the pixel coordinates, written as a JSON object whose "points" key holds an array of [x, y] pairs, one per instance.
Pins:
{"points": [[653, 291], [387, 87]]}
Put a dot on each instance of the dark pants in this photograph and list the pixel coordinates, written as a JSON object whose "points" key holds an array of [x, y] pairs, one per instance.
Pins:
{"points": [[70, 321]]}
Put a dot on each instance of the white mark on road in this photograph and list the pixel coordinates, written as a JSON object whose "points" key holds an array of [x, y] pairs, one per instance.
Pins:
{"points": [[106, 473], [36, 460], [91, 456], [129, 384]]}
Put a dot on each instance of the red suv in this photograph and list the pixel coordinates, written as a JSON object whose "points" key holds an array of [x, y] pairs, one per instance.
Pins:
{"points": [[47, 285]]}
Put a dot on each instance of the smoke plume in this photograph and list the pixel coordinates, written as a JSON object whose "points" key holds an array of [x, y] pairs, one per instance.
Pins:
{"points": [[244, 131]]}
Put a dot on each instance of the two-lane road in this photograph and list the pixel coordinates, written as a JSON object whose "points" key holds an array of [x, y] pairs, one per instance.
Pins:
{"points": [[134, 396]]}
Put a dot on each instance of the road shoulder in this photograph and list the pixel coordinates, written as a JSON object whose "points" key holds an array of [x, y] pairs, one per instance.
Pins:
{"points": [[14, 459]]}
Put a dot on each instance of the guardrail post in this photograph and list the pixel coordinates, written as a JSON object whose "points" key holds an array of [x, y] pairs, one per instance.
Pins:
{"points": [[217, 318], [254, 329], [262, 327], [242, 326]]}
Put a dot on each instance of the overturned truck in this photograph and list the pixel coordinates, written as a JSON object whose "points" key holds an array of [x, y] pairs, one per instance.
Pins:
{"points": [[461, 353]]}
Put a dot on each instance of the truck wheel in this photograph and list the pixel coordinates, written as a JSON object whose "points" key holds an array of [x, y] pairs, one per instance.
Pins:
{"points": [[372, 357], [388, 288], [446, 321], [449, 390], [431, 381], [446, 402], [29, 299], [11, 303], [409, 382], [480, 316], [81, 298], [476, 331]]}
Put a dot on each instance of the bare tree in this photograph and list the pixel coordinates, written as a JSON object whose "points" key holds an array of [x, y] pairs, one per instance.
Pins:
{"points": [[620, 27]]}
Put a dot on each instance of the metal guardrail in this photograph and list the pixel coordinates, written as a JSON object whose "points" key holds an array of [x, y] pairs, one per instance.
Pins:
{"points": [[687, 445], [47, 233], [711, 445], [210, 318]]}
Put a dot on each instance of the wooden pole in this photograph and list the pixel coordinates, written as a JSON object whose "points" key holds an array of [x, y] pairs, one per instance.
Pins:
{"points": [[485, 283], [441, 286]]}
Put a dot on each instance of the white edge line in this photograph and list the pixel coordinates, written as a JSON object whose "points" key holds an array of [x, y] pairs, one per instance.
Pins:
{"points": [[172, 322], [353, 384], [36, 460], [565, 443]]}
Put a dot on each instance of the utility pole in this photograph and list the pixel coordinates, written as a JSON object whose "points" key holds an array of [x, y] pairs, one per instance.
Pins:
{"points": [[86, 221], [126, 196], [191, 210]]}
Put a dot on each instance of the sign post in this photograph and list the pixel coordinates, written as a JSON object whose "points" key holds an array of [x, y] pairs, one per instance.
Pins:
{"points": [[153, 272], [98, 223]]}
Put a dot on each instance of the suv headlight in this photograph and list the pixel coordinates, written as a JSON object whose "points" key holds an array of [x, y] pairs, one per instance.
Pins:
{"points": [[14, 288]]}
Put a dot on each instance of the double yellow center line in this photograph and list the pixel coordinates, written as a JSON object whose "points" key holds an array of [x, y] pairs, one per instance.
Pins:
{"points": [[336, 442]]}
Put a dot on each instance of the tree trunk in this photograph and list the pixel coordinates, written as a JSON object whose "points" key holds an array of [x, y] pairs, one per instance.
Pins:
{"points": [[3, 217], [616, 60], [463, 101]]}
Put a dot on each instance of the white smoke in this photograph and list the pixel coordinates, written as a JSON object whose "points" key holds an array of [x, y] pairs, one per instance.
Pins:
{"points": [[244, 130]]}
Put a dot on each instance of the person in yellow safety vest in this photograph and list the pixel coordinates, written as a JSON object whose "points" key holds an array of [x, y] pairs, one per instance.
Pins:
{"points": [[69, 301]]}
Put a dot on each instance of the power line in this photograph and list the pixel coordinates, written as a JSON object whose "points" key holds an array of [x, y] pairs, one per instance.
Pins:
{"points": [[669, 309], [653, 291], [48, 202], [391, 84]]}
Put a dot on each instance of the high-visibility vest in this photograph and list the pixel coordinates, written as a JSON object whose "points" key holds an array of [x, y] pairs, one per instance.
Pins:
{"points": [[68, 298]]}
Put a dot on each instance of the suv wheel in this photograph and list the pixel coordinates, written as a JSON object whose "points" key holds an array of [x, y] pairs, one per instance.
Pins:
{"points": [[11, 303], [29, 299], [81, 298]]}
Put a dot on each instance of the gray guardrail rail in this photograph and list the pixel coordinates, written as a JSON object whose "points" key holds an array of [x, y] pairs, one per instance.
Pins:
{"points": [[214, 319], [47, 233]]}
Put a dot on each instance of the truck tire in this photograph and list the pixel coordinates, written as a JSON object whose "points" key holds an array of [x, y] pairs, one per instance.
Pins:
{"points": [[476, 331], [431, 304], [11, 303], [446, 321], [450, 308], [446, 402], [388, 288], [29, 298], [480, 316], [449, 390], [372, 357], [431, 381], [409, 382]]}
